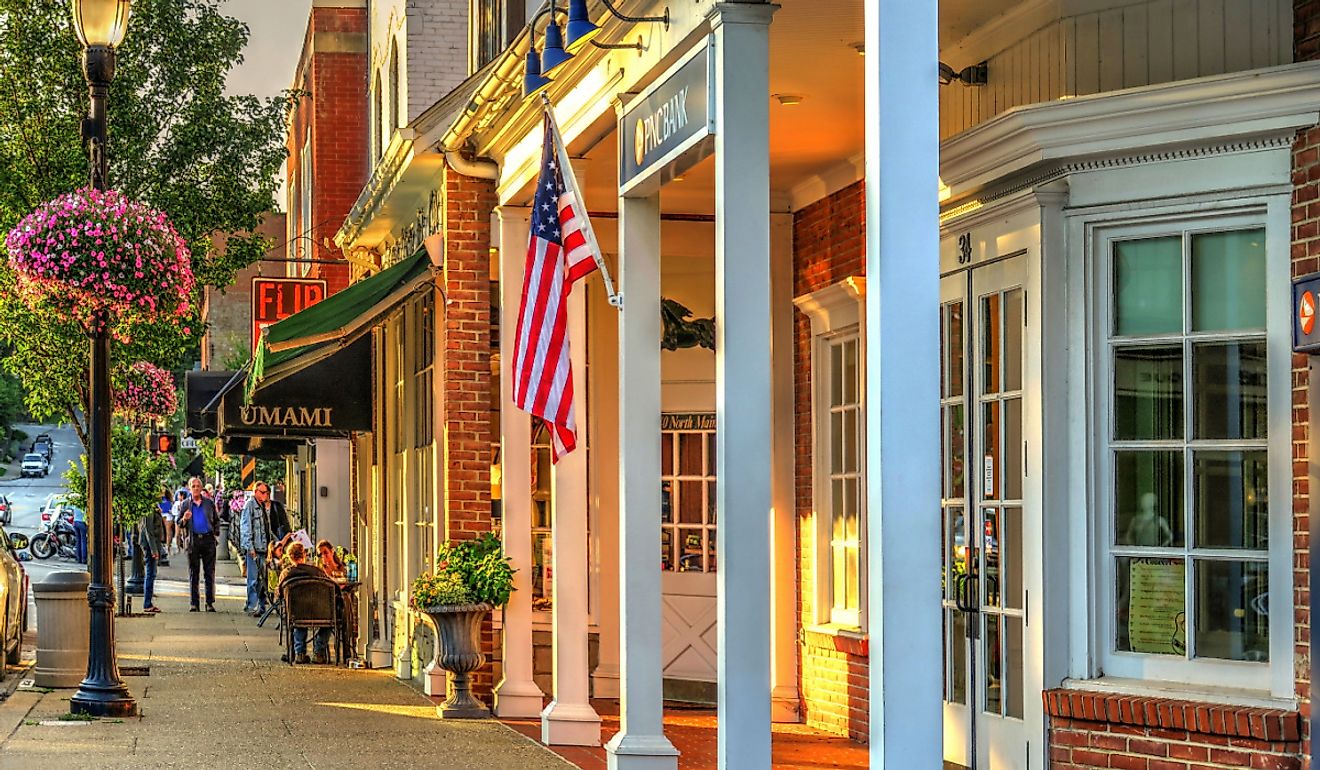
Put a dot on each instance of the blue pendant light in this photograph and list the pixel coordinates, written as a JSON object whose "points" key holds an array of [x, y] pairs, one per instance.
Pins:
{"points": [[580, 27], [533, 81], [552, 53]]}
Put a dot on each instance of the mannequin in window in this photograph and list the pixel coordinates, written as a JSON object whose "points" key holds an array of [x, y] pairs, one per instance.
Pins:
{"points": [[1147, 528]]}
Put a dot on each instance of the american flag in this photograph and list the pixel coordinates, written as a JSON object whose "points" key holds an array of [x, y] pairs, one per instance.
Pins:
{"points": [[560, 251]]}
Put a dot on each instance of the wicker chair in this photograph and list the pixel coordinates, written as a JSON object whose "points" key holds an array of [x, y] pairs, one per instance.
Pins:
{"points": [[309, 602]]}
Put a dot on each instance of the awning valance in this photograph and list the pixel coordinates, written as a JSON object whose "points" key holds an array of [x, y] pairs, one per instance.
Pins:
{"points": [[316, 333]]}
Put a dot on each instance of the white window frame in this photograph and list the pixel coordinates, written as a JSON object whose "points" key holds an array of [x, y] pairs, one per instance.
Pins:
{"points": [[1270, 214], [835, 311], [307, 236]]}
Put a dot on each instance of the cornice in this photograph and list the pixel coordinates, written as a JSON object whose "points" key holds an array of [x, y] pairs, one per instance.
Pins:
{"points": [[1258, 105]]}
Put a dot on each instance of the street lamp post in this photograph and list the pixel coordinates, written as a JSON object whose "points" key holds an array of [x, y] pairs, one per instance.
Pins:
{"points": [[100, 25]]}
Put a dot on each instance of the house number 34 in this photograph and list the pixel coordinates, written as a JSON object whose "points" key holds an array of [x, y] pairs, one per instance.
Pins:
{"points": [[965, 249]]}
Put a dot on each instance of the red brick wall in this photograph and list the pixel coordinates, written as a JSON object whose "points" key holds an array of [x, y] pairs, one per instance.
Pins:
{"points": [[465, 372], [1305, 259], [828, 246], [332, 77], [1091, 730]]}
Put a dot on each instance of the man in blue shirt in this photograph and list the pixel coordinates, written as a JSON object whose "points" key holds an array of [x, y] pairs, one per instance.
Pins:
{"points": [[200, 524]]}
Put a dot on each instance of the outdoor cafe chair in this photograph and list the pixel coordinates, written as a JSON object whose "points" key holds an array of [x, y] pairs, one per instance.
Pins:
{"points": [[310, 602]]}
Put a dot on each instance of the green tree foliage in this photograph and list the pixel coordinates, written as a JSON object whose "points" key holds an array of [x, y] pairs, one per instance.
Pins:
{"points": [[177, 141], [136, 477], [230, 467]]}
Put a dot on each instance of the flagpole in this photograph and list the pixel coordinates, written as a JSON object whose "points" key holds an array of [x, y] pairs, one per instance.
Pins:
{"points": [[561, 150]]}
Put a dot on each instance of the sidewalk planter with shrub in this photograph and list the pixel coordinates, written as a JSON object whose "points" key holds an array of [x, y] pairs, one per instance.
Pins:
{"points": [[471, 578]]}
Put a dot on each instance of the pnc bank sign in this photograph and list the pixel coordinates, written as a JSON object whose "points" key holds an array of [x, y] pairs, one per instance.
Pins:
{"points": [[668, 126], [275, 299]]}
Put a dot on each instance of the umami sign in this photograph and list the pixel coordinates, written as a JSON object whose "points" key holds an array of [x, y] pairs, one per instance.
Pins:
{"points": [[666, 125]]}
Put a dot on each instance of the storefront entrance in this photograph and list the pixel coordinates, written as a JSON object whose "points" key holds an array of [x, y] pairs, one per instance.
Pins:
{"points": [[983, 331]]}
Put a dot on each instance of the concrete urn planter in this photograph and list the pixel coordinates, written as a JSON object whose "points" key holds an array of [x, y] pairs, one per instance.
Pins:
{"points": [[458, 651]]}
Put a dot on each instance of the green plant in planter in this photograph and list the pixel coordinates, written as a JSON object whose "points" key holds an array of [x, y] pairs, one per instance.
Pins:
{"points": [[478, 567], [438, 590]]}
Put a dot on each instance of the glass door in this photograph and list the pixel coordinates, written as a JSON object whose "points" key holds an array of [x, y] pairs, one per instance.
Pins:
{"points": [[982, 326]]}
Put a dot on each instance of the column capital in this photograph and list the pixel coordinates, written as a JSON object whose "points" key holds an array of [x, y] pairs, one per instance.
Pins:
{"points": [[621, 101], [508, 213], [740, 13]]}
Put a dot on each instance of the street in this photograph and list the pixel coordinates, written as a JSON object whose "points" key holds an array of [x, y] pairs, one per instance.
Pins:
{"points": [[29, 495]]}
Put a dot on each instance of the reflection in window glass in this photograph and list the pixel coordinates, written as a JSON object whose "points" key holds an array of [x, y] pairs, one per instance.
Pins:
{"points": [[1148, 499], [1232, 610], [1148, 393], [1228, 281], [1148, 286], [1232, 499], [1229, 394]]}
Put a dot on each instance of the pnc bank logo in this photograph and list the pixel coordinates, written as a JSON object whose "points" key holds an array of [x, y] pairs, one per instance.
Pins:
{"points": [[658, 126]]}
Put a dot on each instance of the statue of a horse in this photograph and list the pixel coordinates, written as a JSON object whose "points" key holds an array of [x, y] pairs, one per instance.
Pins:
{"points": [[678, 332]]}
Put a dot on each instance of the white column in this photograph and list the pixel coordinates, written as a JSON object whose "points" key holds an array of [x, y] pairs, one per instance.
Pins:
{"points": [[640, 743], [604, 429], [784, 702], [570, 720], [902, 384], [516, 695], [743, 404]]}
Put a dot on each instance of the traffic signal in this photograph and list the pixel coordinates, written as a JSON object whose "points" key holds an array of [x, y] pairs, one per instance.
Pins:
{"points": [[163, 443]]}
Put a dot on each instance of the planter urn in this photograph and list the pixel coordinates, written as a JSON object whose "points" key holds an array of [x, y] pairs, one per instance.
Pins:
{"points": [[458, 651]]}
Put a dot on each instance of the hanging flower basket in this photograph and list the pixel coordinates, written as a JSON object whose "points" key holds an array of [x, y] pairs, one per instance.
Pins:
{"points": [[146, 394], [98, 255]]}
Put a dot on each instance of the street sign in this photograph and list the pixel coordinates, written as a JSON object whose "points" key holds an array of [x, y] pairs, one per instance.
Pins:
{"points": [[275, 299], [189, 443], [1305, 296]]}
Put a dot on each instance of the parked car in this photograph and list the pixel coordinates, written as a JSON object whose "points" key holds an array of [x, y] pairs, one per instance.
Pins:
{"points": [[44, 447], [13, 597], [6, 510], [57, 506], [34, 465]]}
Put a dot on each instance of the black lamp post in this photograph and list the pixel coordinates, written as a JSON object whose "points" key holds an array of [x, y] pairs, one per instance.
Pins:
{"points": [[100, 25]]}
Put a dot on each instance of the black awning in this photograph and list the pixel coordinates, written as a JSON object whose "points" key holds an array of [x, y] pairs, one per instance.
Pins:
{"points": [[328, 399]]}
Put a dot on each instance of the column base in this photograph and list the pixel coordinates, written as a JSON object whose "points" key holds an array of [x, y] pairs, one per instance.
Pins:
{"points": [[379, 657], [640, 752], [570, 724], [605, 681], [785, 707], [518, 700], [435, 682]]}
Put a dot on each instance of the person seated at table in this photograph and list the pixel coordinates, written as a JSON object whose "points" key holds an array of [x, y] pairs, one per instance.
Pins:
{"points": [[329, 561], [299, 567]]}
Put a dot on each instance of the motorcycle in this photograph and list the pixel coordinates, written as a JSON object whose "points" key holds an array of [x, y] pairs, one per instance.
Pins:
{"points": [[58, 538]]}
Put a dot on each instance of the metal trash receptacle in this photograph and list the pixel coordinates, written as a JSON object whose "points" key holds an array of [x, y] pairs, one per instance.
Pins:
{"points": [[62, 629]]}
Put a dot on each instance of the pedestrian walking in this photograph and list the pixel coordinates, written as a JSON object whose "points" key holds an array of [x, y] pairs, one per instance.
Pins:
{"points": [[80, 534], [201, 523], [180, 503], [255, 534], [151, 539]]}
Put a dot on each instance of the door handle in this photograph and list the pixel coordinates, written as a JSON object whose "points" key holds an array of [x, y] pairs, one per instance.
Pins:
{"points": [[965, 593]]}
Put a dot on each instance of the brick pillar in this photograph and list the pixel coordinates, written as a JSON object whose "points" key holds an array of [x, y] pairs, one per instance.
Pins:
{"points": [[1305, 259], [465, 374]]}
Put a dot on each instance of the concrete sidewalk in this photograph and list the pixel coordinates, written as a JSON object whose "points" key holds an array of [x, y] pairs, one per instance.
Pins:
{"points": [[218, 695]]}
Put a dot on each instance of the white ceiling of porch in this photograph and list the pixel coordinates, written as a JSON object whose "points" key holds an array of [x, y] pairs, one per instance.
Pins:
{"points": [[813, 51]]}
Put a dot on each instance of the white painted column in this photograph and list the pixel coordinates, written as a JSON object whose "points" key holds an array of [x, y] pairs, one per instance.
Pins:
{"points": [[902, 384], [784, 701], [604, 395], [640, 743], [516, 695], [743, 403], [570, 720]]}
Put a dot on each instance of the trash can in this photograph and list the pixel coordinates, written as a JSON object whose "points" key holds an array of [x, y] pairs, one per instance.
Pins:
{"points": [[62, 629], [222, 544]]}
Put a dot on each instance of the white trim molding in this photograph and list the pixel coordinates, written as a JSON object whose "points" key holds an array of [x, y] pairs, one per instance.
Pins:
{"points": [[1256, 104]]}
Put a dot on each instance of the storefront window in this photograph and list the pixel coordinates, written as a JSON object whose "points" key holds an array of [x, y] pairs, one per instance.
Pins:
{"points": [[687, 502], [1188, 453]]}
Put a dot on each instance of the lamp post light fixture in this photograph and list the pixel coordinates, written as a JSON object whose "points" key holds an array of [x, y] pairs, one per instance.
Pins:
{"points": [[100, 25]]}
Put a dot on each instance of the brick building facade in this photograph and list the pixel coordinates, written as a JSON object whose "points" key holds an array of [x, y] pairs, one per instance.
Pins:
{"points": [[327, 139]]}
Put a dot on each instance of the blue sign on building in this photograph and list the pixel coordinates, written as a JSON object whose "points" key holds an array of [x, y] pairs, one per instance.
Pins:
{"points": [[669, 122], [1306, 330]]}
